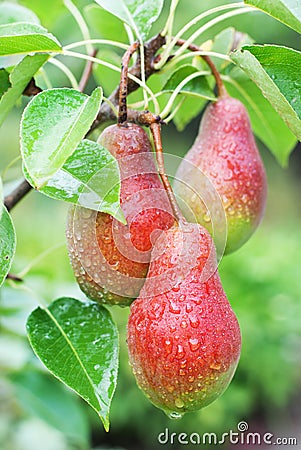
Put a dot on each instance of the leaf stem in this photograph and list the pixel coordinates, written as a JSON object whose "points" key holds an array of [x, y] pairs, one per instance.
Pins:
{"points": [[156, 133], [219, 82], [123, 86], [66, 71], [173, 96], [168, 50], [95, 41], [174, 61], [167, 31], [174, 112], [81, 23], [210, 24], [116, 69]]}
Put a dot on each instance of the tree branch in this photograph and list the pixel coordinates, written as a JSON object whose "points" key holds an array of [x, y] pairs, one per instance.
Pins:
{"points": [[14, 197], [32, 89], [123, 86], [105, 112]]}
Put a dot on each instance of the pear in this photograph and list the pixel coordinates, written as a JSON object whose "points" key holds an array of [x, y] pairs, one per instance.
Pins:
{"points": [[109, 259], [183, 337], [223, 174]]}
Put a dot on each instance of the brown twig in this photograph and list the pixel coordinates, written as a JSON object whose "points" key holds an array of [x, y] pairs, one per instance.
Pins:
{"points": [[11, 276], [86, 73], [32, 89], [219, 82], [105, 113], [123, 86], [156, 133], [17, 194], [151, 47]]}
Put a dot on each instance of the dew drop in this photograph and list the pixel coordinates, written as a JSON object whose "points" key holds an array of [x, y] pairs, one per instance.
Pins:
{"points": [[179, 403], [174, 415], [180, 352], [97, 366], [206, 217], [227, 128], [215, 366], [194, 344], [184, 324], [168, 346], [194, 321], [189, 307], [191, 379], [174, 308]]}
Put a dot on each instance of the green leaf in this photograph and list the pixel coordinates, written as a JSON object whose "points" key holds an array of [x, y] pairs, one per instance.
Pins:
{"points": [[7, 244], [286, 11], [197, 87], [267, 124], [90, 177], [19, 78], [105, 24], [190, 109], [1, 197], [25, 37], [48, 15], [276, 71], [226, 41], [50, 401], [139, 14], [4, 81], [12, 12], [78, 343], [52, 126]]}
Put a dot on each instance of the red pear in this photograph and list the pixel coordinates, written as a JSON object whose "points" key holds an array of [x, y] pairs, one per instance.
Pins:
{"points": [[183, 337], [223, 171], [110, 260]]}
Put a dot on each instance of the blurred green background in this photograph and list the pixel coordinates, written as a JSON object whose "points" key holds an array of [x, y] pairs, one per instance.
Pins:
{"points": [[262, 281]]}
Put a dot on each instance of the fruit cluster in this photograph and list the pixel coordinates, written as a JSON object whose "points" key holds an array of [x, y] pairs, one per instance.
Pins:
{"points": [[183, 337]]}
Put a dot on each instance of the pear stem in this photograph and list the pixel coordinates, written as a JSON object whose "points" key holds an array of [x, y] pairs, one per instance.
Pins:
{"points": [[155, 128], [123, 87], [222, 92]]}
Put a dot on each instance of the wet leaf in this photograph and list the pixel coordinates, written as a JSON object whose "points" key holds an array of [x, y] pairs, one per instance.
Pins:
{"points": [[197, 87], [78, 343], [286, 11], [90, 177], [275, 70], [138, 14], [26, 37], [52, 126]]}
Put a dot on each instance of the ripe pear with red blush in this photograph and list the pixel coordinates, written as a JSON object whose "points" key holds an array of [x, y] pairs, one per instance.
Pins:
{"points": [[109, 259], [183, 337], [224, 157]]}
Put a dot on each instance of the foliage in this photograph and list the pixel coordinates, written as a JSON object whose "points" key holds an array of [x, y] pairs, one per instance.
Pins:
{"points": [[59, 160]]}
